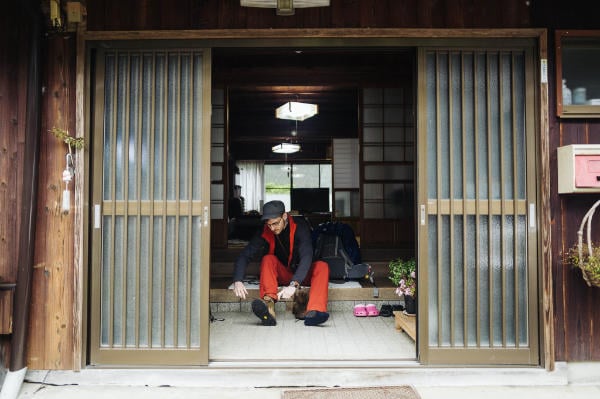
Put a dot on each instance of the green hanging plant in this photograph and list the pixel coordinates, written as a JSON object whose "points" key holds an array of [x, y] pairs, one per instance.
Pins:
{"points": [[61, 134], [588, 262], [586, 254]]}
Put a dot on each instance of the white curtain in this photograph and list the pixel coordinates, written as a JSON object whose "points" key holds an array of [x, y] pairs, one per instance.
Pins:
{"points": [[251, 178]]}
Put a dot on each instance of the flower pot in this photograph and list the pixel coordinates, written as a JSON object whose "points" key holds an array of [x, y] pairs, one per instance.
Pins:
{"points": [[410, 304]]}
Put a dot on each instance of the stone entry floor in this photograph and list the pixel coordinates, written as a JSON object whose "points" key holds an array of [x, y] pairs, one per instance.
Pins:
{"points": [[236, 334]]}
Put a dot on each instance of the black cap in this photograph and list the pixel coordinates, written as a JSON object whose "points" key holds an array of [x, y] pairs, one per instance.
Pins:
{"points": [[272, 210]]}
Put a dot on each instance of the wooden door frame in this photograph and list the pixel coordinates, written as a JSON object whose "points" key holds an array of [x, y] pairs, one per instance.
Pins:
{"points": [[317, 38]]}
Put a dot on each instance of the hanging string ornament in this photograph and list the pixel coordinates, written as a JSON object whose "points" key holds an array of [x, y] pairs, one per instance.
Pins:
{"points": [[69, 172]]}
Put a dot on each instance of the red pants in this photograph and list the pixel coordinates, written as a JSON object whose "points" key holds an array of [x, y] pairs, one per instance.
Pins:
{"points": [[273, 274]]}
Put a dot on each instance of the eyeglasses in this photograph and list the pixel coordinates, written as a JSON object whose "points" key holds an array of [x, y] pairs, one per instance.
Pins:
{"points": [[275, 224]]}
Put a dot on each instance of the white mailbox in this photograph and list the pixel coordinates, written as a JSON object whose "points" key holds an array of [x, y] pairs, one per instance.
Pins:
{"points": [[578, 168]]}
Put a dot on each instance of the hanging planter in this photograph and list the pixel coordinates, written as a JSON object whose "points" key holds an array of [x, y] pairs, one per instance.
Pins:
{"points": [[586, 255]]}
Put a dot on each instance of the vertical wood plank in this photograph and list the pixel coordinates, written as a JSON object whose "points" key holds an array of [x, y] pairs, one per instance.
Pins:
{"points": [[12, 135], [51, 316]]}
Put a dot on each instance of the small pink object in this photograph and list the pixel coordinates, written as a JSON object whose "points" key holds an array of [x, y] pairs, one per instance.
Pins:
{"points": [[587, 170], [360, 310], [372, 310]]}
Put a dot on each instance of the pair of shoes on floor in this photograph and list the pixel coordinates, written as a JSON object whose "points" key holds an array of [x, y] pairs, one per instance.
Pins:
{"points": [[314, 318], [362, 310], [265, 311], [386, 311]]}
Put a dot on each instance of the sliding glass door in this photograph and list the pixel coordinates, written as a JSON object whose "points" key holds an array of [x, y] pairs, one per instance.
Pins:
{"points": [[477, 207], [150, 236]]}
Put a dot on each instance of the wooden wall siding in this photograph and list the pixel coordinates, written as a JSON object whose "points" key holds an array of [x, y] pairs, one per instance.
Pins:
{"points": [[577, 327], [50, 339], [228, 14], [564, 14], [12, 136], [13, 91]]}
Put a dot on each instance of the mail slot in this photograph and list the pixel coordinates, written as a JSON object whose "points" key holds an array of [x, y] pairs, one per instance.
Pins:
{"points": [[578, 168], [587, 170]]}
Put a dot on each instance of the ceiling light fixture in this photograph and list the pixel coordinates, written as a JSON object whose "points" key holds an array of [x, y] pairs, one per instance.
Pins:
{"points": [[284, 7], [286, 148], [296, 111]]}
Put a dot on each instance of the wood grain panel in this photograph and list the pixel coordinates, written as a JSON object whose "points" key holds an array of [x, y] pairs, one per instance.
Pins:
{"points": [[12, 136], [576, 315], [51, 334], [228, 14], [6, 304]]}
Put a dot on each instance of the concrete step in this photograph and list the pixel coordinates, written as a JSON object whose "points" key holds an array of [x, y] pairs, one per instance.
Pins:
{"points": [[283, 306], [335, 294]]}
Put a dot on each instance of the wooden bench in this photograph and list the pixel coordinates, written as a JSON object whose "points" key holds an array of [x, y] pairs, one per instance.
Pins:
{"points": [[406, 323]]}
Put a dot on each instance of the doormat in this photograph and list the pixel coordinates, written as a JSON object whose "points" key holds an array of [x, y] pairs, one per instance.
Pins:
{"points": [[398, 392]]}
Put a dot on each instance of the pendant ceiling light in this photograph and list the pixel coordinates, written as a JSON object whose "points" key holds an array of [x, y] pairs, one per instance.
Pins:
{"points": [[296, 111], [284, 7], [286, 148]]}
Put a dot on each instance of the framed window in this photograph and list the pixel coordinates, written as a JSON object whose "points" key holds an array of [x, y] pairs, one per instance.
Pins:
{"points": [[281, 178]]}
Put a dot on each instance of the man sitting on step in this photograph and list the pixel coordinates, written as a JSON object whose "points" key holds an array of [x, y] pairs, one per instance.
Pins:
{"points": [[286, 247]]}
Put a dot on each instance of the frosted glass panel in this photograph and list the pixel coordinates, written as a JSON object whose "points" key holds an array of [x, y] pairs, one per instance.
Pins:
{"points": [[195, 281], [216, 173], [373, 210], [218, 116], [372, 191], [217, 135], [216, 211], [394, 134], [216, 192], [393, 115], [373, 134], [152, 132], [372, 153], [217, 154], [373, 115], [432, 282], [475, 147], [431, 142], [394, 153], [399, 172]]}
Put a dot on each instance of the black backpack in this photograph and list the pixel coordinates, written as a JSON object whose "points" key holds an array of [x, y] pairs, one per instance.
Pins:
{"points": [[329, 248]]}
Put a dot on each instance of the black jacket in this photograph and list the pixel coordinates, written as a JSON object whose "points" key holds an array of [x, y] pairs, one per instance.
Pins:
{"points": [[265, 242]]}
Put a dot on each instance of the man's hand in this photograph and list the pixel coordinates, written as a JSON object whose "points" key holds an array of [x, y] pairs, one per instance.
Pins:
{"points": [[239, 290], [286, 292]]}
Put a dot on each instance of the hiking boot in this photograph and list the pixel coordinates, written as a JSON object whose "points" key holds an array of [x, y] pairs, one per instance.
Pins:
{"points": [[299, 304], [265, 310], [314, 318]]}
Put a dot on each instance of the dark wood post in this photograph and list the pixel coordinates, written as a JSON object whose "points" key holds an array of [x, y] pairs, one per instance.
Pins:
{"points": [[30, 15]]}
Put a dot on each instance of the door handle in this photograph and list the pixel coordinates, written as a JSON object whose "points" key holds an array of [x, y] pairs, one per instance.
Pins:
{"points": [[532, 215], [97, 216], [205, 216]]}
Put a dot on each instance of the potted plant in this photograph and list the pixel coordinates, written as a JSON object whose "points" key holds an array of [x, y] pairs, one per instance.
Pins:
{"points": [[585, 254], [403, 275]]}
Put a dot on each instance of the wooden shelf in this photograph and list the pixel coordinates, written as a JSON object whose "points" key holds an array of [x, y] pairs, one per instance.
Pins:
{"points": [[406, 323]]}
